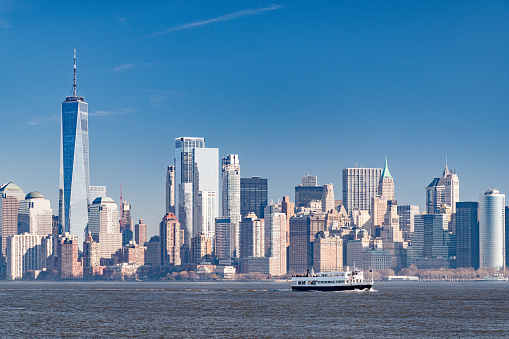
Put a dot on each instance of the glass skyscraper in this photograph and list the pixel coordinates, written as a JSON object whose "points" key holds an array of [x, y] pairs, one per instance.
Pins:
{"points": [[74, 168], [491, 229]]}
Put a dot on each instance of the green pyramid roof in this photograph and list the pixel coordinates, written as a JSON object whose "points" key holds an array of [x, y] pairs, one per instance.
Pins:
{"points": [[385, 173], [10, 187]]}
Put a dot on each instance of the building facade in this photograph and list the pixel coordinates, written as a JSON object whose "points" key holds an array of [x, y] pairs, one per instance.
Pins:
{"points": [[360, 185], [104, 226], [467, 234], [170, 189], [492, 229], [10, 197], [253, 196], [231, 199], [444, 190], [169, 235]]}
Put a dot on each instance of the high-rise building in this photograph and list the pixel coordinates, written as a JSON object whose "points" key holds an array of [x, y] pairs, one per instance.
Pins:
{"points": [[492, 229], [91, 252], [275, 238], [288, 208], [126, 222], [467, 234], [390, 227], [35, 215], [104, 226], [170, 189], [252, 236], [74, 167], [95, 192], [153, 252], [386, 185], [327, 253], [67, 254], [309, 180], [253, 196], [406, 220], [206, 214], [304, 195], [23, 254], [360, 185], [231, 199], [444, 190], [328, 201], [10, 196], [506, 234], [169, 235], [184, 190], [201, 248], [140, 233], [224, 248]]}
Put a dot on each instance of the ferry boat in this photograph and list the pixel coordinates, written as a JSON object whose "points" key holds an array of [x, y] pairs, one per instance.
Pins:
{"points": [[331, 281]]}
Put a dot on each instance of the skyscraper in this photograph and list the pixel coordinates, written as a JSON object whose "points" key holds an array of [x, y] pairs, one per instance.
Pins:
{"points": [[252, 236], [467, 234], [140, 233], [491, 229], [10, 196], [104, 226], [328, 198], [74, 168], [386, 185], [444, 190], [406, 220], [253, 196], [170, 189], [231, 199], [359, 186], [35, 215], [309, 180], [169, 234]]}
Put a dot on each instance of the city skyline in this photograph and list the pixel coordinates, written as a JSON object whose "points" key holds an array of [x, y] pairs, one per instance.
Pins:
{"points": [[405, 94]]}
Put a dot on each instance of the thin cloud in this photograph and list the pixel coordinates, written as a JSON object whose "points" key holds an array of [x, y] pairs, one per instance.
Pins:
{"points": [[159, 96], [4, 24], [122, 68], [36, 121], [222, 18], [104, 113]]}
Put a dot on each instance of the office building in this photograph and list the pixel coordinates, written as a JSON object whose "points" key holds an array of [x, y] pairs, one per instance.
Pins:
{"points": [[67, 254], [10, 197], [35, 215], [253, 196], [386, 184], [328, 201], [467, 234], [206, 190], [95, 192], [492, 229], [406, 215], [360, 185], [170, 189], [23, 254], [252, 236], [104, 226], [327, 253], [140, 233], [169, 235], [275, 238], [74, 165], [305, 195], [201, 248], [153, 252], [444, 190], [231, 199], [224, 241], [309, 180], [206, 214], [91, 253], [288, 208]]}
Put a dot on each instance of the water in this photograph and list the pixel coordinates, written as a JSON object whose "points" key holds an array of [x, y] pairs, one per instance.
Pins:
{"points": [[257, 309]]}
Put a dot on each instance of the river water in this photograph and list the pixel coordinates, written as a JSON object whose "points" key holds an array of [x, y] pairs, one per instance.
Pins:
{"points": [[251, 309]]}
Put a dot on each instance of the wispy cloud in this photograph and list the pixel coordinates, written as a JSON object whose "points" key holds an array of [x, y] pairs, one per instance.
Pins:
{"points": [[123, 21], [36, 121], [222, 18], [105, 113], [122, 68], [4, 24], [158, 96]]}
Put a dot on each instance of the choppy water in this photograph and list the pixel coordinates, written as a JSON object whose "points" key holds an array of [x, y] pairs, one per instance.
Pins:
{"points": [[259, 309]]}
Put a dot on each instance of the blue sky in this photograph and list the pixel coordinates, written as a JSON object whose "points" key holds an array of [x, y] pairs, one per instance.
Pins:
{"points": [[293, 88]]}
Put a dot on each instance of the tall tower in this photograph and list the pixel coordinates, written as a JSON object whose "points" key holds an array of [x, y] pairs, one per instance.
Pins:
{"points": [[491, 229], [444, 190], [359, 186], [170, 189], [231, 199], [74, 168], [386, 185]]}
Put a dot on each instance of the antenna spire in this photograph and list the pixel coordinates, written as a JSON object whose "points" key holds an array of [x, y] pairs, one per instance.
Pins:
{"points": [[74, 84]]}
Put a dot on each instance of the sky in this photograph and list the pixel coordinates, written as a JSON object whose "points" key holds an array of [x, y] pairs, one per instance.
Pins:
{"points": [[292, 87]]}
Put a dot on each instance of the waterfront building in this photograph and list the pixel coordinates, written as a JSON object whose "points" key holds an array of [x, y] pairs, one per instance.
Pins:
{"points": [[23, 254], [201, 248], [406, 215], [104, 226], [224, 245], [431, 239], [153, 252], [327, 253], [131, 254], [492, 229], [360, 185], [252, 236], [467, 234], [386, 184], [275, 238], [140, 233], [170, 189], [74, 164], [376, 259], [309, 180], [91, 253], [10, 196], [169, 234], [67, 253], [231, 199], [253, 196], [444, 190], [35, 215]]}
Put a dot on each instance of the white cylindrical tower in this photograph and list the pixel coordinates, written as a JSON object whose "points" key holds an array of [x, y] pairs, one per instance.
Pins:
{"points": [[491, 229]]}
